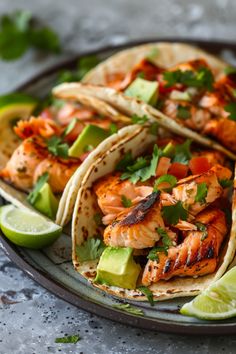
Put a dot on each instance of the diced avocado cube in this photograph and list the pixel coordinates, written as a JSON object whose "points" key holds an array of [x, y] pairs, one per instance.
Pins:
{"points": [[46, 202], [169, 150], [144, 90], [117, 267], [90, 136]]}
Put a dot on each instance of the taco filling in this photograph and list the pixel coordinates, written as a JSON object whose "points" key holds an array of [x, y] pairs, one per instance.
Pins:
{"points": [[51, 148], [191, 93], [169, 207]]}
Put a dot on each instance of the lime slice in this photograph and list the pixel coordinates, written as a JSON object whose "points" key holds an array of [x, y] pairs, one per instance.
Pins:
{"points": [[26, 228], [16, 105], [217, 302]]}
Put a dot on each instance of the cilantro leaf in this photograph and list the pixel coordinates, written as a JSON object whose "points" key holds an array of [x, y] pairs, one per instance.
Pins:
{"points": [[153, 129], [139, 119], [19, 31], [85, 64], [202, 78], [166, 240], [125, 162], [173, 213], [128, 308], [68, 339], [113, 128], [169, 179], [183, 112], [226, 183], [201, 227], [126, 202], [182, 152], [91, 249], [231, 108], [32, 197], [57, 147], [201, 193], [146, 291]]}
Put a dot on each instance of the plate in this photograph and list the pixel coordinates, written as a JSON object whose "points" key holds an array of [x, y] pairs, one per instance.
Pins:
{"points": [[52, 267]]}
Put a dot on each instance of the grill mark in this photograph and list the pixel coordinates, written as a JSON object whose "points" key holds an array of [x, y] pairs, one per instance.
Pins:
{"points": [[141, 210], [167, 266]]}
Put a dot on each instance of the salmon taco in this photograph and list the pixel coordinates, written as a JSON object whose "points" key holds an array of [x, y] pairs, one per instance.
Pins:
{"points": [[37, 169], [154, 216], [186, 89]]}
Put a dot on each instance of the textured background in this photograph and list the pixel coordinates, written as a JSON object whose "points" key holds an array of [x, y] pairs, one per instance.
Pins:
{"points": [[30, 317]]}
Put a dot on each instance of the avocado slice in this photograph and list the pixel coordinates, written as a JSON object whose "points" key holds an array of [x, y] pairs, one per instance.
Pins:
{"points": [[16, 105], [144, 90], [91, 136], [117, 267], [46, 202]]}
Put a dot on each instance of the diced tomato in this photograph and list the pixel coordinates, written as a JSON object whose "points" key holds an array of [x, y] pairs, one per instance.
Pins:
{"points": [[179, 170], [199, 165], [163, 166]]}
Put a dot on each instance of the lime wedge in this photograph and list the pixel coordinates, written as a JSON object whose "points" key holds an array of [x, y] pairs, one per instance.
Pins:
{"points": [[16, 105], [217, 302], [26, 228]]}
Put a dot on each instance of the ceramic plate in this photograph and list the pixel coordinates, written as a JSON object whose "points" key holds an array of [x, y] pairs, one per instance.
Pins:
{"points": [[52, 267]]}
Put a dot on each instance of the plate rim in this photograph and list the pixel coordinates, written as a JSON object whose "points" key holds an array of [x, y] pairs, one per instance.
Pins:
{"points": [[43, 279]]}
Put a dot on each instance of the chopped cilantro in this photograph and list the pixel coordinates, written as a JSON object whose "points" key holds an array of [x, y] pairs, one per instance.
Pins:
{"points": [[231, 108], [146, 291], [70, 127], [113, 128], [169, 179], [152, 255], [32, 197], [139, 119], [202, 78], [201, 227], [128, 308], [57, 147], [173, 213], [91, 249], [126, 202], [19, 31], [182, 152], [125, 162], [68, 339], [183, 112], [138, 171], [166, 240], [201, 193], [226, 183]]}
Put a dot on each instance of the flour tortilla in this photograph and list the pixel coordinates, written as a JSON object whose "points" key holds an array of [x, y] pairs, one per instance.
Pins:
{"points": [[84, 226], [9, 142]]}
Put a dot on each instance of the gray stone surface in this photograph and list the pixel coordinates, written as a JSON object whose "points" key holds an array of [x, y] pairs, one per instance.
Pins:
{"points": [[30, 317]]}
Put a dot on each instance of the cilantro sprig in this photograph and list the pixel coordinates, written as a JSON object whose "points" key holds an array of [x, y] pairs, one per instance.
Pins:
{"points": [[126, 202], [68, 339], [201, 78], [91, 249], [173, 213], [201, 227], [147, 292], [57, 147], [201, 193], [183, 152], [231, 109], [183, 112], [130, 309], [32, 197], [166, 243], [139, 119], [20, 30]]}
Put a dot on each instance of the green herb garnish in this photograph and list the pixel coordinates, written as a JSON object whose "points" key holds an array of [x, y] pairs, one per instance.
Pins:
{"points": [[182, 152], [153, 129], [113, 128], [125, 162], [68, 339], [173, 213], [230, 70], [91, 249], [166, 241], [202, 78], [183, 112], [139, 119], [56, 147], [32, 197], [226, 183], [130, 309], [201, 227], [126, 202], [231, 108], [19, 31], [201, 193], [146, 291], [171, 180]]}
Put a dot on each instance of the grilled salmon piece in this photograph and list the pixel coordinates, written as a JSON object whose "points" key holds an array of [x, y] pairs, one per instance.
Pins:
{"points": [[110, 190], [59, 170], [20, 168], [137, 227], [197, 255], [45, 128]]}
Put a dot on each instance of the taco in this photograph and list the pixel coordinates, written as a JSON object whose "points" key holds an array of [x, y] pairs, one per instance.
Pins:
{"points": [[190, 86], [48, 150], [155, 214]]}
